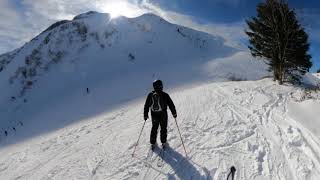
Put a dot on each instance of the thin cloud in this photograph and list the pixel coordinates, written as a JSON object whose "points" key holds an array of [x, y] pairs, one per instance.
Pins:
{"points": [[37, 15], [310, 20], [10, 26], [20, 26], [233, 33]]}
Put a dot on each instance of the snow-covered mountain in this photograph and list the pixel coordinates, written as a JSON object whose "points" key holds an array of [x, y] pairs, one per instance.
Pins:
{"points": [[74, 96], [116, 58]]}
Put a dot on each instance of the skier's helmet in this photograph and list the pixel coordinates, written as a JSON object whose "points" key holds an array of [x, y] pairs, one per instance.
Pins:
{"points": [[157, 85]]}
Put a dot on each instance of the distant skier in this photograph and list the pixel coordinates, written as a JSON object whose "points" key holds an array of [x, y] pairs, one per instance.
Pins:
{"points": [[158, 101], [6, 133]]}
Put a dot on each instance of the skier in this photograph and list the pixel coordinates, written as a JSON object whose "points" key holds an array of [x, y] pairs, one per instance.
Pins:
{"points": [[158, 101]]}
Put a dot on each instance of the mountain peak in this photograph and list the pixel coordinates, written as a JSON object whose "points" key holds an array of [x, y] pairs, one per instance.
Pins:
{"points": [[86, 15], [93, 48]]}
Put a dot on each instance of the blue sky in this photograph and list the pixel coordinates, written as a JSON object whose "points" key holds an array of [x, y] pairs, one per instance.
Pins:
{"points": [[233, 11], [21, 20]]}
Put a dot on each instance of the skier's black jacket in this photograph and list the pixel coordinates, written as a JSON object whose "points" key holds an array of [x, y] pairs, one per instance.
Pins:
{"points": [[165, 101]]}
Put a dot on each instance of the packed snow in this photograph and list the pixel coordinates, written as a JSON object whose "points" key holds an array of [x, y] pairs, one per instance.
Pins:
{"points": [[81, 116], [247, 124]]}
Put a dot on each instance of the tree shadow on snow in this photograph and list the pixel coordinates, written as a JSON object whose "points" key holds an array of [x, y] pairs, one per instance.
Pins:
{"points": [[183, 167]]}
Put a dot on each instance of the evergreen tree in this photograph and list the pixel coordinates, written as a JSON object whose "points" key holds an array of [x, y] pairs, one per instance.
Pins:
{"points": [[276, 35], [318, 71]]}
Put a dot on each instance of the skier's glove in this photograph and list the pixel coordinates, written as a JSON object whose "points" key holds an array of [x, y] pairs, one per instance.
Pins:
{"points": [[174, 115], [146, 117]]}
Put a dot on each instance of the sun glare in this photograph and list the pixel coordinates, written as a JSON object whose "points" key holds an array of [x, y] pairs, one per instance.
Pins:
{"points": [[116, 9], [114, 15]]}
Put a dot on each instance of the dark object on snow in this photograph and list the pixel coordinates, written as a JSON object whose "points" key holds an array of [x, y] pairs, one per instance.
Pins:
{"points": [[13, 98], [87, 90], [6, 133], [182, 34], [20, 123], [232, 172], [14, 128], [158, 101], [25, 100], [131, 57]]}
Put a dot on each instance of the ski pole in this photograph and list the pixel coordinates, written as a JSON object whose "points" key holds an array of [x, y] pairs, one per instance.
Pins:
{"points": [[135, 147], [181, 138], [232, 171]]}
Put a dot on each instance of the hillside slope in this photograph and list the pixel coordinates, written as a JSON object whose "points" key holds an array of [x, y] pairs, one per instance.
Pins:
{"points": [[114, 60], [246, 124]]}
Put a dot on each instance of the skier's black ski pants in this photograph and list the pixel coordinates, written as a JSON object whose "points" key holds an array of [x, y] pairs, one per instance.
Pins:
{"points": [[159, 118]]}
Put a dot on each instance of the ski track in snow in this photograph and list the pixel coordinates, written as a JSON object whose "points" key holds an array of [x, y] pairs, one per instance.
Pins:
{"points": [[244, 124]]}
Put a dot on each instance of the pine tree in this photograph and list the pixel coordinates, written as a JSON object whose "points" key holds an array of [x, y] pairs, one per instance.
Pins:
{"points": [[276, 35], [318, 71]]}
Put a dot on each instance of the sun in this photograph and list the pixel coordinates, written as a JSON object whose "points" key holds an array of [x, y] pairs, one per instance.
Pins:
{"points": [[114, 15], [120, 8]]}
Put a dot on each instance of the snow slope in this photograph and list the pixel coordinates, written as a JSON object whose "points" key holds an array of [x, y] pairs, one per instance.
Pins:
{"points": [[111, 57], [67, 133], [246, 124]]}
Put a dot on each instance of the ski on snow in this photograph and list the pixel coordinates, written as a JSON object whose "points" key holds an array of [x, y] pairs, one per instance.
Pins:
{"points": [[161, 157], [149, 155]]}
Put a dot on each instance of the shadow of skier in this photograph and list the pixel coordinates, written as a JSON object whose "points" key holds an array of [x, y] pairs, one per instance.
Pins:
{"points": [[183, 167]]}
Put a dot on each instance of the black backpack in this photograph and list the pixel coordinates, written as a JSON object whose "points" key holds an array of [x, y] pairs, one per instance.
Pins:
{"points": [[156, 106]]}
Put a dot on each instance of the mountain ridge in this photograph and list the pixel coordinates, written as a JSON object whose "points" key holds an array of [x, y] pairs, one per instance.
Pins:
{"points": [[74, 107], [81, 28], [111, 55]]}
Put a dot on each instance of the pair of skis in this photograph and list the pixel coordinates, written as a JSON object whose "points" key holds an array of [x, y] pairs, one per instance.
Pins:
{"points": [[160, 156]]}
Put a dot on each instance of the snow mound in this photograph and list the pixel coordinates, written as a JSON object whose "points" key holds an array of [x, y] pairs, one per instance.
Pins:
{"points": [[236, 67], [317, 75], [312, 80]]}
